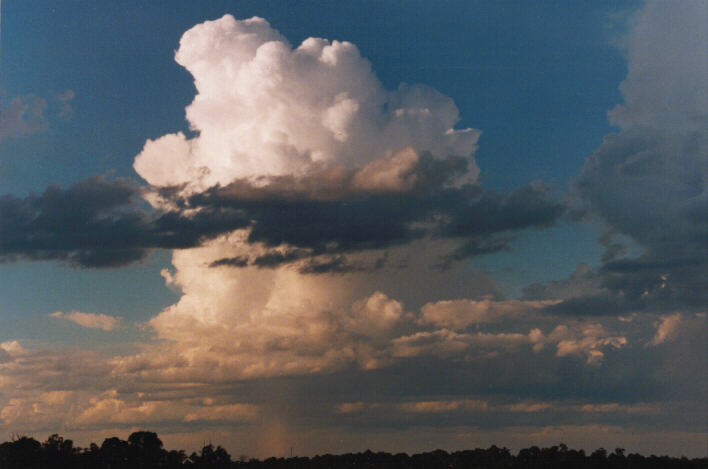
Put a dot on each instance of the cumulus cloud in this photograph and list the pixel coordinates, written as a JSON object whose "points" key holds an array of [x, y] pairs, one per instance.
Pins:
{"points": [[89, 320], [646, 184], [301, 164], [666, 83], [302, 147], [265, 108]]}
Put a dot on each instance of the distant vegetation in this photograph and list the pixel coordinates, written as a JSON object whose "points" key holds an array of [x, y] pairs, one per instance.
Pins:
{"points": [[144, 450]]}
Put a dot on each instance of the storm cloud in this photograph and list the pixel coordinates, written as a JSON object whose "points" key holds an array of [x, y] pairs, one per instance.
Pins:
{"points": [[645, 186]]}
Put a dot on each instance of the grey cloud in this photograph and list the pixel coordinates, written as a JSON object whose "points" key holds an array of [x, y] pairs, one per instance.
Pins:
{"points": [[238, 261], [99, 223], [340, 265], [528, 206], [275, 258], [647, 183], [374, 221]]}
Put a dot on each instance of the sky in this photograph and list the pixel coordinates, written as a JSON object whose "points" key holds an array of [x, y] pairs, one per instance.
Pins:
{"points": [[329, 227]]}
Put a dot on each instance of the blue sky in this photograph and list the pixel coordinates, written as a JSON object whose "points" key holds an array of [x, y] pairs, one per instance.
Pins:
{"points": [[551, 229]]}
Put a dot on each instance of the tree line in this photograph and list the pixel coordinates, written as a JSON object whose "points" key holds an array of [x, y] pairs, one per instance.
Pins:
{"points": [[144, 450]]}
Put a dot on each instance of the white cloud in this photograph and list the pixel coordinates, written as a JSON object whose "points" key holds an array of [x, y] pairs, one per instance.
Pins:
{"points": [[264, 108], [89, 320]]}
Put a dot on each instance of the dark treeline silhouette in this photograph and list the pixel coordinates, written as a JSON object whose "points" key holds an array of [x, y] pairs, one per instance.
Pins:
{"points": [[144, 450]]}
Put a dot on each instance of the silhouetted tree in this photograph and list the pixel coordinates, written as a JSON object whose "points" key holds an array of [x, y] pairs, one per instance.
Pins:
{"points": [[22, 453], [59, 453], [115, 453], [210, 457], [144, 450]]}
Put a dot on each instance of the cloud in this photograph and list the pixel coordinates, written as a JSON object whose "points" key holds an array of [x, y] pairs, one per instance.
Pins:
{"points": [[529, 407], [264, 108], [282, 183], [666, 329], [99, 223], [585, 340], [65, 98], [459, 314], [665, 85], [24, 115], [375, 221], [303, 148], [646, 183], [301, 165], [89, 320], [444, 406]]}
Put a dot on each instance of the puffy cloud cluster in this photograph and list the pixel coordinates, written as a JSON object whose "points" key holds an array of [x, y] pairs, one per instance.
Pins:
{"points": [[264, 108], [249, 322]]}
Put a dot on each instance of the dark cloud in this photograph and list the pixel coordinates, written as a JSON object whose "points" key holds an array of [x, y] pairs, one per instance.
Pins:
{"points": [[101, 223], [337, 264], [649, 184], [238, 261], [304, 220], [340, 265], [528, 206], [646, 187], [276, 258]]}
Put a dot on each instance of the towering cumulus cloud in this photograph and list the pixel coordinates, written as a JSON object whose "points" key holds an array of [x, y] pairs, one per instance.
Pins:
{"points": [[339, 176], [264, 108]]}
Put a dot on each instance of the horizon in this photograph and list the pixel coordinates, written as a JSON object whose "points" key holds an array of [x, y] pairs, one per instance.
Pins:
{"points": [[326, 227]]}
